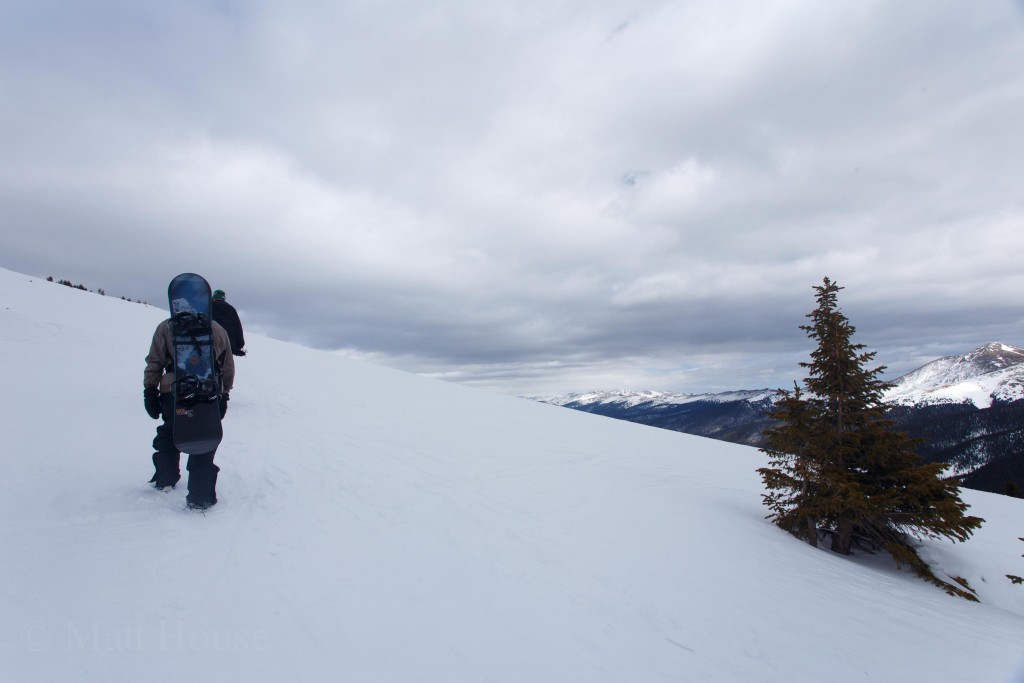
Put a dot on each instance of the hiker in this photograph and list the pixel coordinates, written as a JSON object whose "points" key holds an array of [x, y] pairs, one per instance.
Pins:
{"points": [[227, 316], [158, 383]]}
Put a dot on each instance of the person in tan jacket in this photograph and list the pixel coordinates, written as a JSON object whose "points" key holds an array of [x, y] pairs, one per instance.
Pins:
{"points": [[158, 383]]}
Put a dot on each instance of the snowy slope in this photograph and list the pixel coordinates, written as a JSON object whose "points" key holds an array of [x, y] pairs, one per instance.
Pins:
{"points": [[377, 526], [991, 372]]}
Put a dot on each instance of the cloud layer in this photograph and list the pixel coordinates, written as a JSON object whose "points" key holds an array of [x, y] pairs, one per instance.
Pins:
{"points": [[536, 197]]}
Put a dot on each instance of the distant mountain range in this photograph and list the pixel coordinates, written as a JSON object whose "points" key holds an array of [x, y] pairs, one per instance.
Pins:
{"points": [[988, 374], [737, 416], [969, 411]]}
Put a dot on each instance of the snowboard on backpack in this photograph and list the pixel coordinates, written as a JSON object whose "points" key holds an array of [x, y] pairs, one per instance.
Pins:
{"points": [[197, 426]]}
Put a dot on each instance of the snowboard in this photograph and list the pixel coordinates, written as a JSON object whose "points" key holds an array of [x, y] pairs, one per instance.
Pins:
{"points": [[197, 426]]}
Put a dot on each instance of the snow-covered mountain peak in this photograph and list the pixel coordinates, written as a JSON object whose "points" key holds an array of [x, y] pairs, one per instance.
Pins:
{"points": [[993, 356], [991, 372]]}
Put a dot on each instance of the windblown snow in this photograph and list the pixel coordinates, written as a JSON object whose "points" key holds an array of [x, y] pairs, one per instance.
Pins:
{"points": [[376, 526]]}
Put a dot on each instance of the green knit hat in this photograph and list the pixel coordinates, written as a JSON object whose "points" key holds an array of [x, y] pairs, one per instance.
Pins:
{"points": [[218, 294]]}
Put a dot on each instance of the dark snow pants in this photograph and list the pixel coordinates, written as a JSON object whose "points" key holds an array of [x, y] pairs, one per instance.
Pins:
{"points": [[202, 473]]}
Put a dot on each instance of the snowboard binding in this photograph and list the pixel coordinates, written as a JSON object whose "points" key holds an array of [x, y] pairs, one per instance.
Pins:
{"points": [[187, 323], [192, 389]]}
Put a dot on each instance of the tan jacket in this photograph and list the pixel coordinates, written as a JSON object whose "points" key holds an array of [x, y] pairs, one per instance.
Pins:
{"points": [[160, 359]]}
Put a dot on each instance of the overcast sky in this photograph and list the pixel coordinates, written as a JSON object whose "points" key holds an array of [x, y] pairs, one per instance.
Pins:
{"points": [[532, 197]]}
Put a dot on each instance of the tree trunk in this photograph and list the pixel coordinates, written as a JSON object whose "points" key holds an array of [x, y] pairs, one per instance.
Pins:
{"points": [[812, 532], [842, 539]]}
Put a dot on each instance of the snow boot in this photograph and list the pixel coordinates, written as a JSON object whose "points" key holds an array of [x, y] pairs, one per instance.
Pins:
{"points": [[167, 473], [202, 481]]}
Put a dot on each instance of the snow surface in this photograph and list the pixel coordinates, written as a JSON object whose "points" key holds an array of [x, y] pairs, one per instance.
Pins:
{"points": [[378, 526]]}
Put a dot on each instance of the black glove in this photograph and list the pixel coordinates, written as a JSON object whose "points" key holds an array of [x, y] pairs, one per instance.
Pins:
{"points": [[223, 405], [151, 397], [239, 352]]}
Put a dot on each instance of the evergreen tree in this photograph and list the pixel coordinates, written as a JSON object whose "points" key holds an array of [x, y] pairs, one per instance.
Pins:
{"points": [[837, 466]]}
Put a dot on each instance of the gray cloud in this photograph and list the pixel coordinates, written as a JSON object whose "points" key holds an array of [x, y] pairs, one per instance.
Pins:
{"points": [[532, 198]]}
